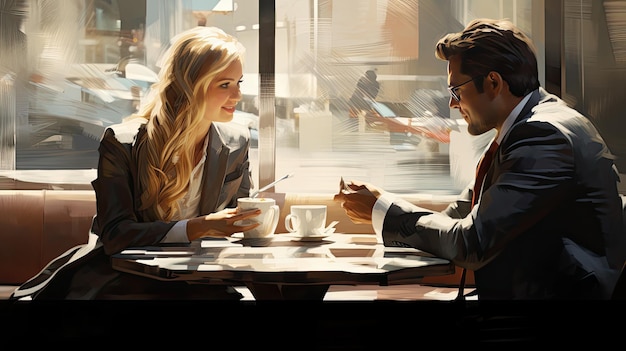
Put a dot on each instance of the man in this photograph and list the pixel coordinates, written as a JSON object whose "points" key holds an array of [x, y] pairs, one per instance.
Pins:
{"points": [[547, 221], [364, 94]]}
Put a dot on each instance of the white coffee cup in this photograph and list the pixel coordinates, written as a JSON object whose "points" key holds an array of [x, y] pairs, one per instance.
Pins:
{"points": [[306, 220], [268, 217]]}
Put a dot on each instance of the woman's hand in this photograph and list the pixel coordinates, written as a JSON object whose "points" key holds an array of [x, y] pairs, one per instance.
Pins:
{"points": [[220, 224], [358, 199]]}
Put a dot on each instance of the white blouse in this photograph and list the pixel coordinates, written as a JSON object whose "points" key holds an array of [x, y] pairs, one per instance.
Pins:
{"points": [[190, 203]]}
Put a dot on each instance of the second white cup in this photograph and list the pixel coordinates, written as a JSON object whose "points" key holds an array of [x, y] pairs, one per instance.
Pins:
{"points": [[306, 220]]}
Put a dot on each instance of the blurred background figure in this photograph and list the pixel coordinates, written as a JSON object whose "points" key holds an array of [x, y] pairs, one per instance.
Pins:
{"points": [[365, 92]]}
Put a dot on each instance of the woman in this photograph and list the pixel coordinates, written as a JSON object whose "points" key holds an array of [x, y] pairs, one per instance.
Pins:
{"points": [[170, 173]]}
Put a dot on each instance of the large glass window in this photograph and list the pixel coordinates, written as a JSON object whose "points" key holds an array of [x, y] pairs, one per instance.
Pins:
{"points": [[403, 136], [88, 63]]}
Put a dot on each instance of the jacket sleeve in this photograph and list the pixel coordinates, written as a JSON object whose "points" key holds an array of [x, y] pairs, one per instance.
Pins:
{"points": [[117, 223], [528, 183]]}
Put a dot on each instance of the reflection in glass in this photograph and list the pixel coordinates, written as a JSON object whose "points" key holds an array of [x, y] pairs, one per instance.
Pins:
{"points": [[396, 137], [91, 71]]}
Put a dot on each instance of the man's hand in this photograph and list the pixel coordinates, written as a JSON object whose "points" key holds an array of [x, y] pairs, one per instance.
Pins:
{"points": [[358, 199]]}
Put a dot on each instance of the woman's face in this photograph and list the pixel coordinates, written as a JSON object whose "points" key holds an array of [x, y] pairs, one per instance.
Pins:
{"points": [[224, 94]]}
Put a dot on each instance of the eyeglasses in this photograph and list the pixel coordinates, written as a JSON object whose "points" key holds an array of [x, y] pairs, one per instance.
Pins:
{"points": [[453, 89]]}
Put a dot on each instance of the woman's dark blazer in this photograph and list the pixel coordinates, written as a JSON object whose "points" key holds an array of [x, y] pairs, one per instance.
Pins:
{"points": [[84, 272], [120, 224]]}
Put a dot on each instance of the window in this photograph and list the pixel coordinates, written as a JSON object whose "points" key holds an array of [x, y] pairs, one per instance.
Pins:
{"points": [[84, 74]]}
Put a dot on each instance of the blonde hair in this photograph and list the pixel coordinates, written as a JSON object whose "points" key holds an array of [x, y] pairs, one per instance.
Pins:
{"points": [[174, 109]]}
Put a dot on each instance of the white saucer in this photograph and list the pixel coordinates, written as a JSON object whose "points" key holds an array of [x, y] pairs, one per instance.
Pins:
{"points": [[319, 237], [239, 235]]}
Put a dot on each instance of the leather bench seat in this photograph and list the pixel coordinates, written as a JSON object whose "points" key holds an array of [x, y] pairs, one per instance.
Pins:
{"points": [[37, 226]]}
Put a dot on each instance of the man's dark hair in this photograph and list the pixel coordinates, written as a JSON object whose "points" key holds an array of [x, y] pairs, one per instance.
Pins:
{"points": [[487, 45]]}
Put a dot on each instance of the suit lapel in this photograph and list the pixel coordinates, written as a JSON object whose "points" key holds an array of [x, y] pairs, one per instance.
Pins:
{"points": [[214, 171]]}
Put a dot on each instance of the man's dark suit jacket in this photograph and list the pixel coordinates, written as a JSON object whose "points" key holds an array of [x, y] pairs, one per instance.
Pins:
{"points": [[549, 221]]}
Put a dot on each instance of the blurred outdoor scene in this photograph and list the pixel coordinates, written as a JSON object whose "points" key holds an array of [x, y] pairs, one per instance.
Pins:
{"points": [[331, 89]]}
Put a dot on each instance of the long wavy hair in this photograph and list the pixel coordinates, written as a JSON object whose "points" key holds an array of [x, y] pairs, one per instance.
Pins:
{"points": [[174, 109]]}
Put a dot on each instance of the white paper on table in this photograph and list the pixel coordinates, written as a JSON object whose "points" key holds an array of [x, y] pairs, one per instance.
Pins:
{"points": [[218, 243]]}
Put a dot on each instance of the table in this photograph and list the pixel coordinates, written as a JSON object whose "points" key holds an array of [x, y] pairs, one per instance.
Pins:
{"points": [[283, 266]]}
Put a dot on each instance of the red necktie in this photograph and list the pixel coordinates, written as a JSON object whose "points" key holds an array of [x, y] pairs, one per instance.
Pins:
{"points": [[481, 170]]}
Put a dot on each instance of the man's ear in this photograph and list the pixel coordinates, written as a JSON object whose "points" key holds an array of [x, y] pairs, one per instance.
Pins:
{"points": [[495, 83], [494, 78]]}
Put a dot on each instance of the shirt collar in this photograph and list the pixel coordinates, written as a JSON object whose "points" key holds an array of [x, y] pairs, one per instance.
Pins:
{"points": [[508, 122]]}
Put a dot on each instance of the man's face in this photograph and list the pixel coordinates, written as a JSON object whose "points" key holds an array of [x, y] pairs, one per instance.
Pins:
{"points": [[476, 108]]}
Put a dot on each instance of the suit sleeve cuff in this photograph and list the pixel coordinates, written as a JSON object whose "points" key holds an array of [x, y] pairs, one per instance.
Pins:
{"points": [[378, 214], [177, 234]]}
